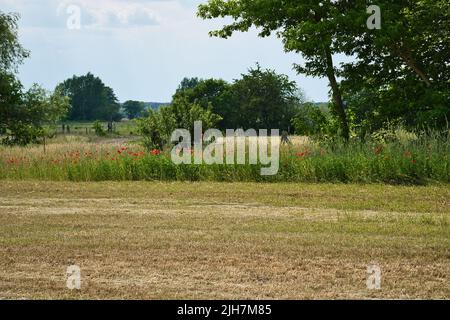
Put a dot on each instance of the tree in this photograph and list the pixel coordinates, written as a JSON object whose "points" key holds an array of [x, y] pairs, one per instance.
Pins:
{"points": [[10, 99], [261, 99], [11, 51], [209, 92], [400, 72], [133, 109], [158, 127], [307, 27], [23, 115], [32, 112], [11, 55], [188, 83], [310, 120], [186, 113], [90, 99], [264, 100]]}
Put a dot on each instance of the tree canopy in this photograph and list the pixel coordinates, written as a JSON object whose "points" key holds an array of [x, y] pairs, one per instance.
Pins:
{"points": [[259, 99], [401, 69], [90, 99], [133, 109], [11, 51], [23, 114]]}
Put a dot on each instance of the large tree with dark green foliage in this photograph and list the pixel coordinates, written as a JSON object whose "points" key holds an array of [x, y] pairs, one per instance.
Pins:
{"points": [[260, 99], [11, 55], [307, 27], [264, 100], [90, 99], [400, 72], [133, 109], [214, 93]]}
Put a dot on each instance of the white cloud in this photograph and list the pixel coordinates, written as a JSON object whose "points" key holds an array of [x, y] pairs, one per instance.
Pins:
{"points": [[141, 48]]}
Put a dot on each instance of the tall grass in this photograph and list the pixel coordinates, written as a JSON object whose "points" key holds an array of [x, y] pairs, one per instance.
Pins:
{"points": [[421, 160]]}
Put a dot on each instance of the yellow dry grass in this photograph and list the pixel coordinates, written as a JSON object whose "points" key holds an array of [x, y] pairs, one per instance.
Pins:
{"points": [[228, 241]]}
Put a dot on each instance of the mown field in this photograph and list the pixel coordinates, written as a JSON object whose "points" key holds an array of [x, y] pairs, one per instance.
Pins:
{"points": [[161, 240]]}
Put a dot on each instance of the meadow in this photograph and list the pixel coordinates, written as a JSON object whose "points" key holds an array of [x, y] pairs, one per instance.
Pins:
{"points": [[141, 227], [418, 161]]}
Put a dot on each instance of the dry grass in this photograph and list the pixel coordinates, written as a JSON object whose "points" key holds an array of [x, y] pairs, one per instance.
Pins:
{"points": [[212, 240]]}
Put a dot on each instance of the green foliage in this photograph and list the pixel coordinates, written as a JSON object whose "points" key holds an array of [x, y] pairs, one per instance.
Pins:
{"points": [[188, 83], [306, 27], [214, 93], [264, 100], [26, 114], [133, 109], [11, 51], [400, 73], [186, 113], [10, 98], [260, 99], [310, 120], [98, 128], [90, 99], [156, 129]]}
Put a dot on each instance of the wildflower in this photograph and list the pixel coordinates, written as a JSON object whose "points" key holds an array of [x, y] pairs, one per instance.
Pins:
{"points": [[300, 154], [156, 152], [379, 150]]}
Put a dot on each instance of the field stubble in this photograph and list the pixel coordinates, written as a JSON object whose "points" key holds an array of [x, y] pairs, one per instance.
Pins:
{"points": [[156, 240]]}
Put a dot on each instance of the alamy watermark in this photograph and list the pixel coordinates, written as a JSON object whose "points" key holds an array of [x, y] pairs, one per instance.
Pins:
{"points": [[213, 147], [73, 281], [73, 13], [374, 21], [374, 277]]}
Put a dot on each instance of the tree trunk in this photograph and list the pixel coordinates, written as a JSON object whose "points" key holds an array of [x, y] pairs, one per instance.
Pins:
{"points": [[407, 58], [337, 96]]}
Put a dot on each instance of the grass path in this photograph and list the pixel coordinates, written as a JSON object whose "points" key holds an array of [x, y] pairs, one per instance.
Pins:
{"points": [[212, 240]]}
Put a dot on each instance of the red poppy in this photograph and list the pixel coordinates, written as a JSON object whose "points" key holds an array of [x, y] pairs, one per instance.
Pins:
{"points": [[155, 152]]}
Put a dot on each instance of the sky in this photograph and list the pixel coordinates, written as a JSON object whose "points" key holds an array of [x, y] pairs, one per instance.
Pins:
{"points": [[141, 48]]}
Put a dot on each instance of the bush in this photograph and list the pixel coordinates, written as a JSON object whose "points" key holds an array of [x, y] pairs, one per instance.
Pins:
{"points": [[98, 129]]}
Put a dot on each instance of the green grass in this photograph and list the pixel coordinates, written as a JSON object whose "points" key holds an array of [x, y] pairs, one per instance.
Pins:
{"points": [[418, 162]]}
